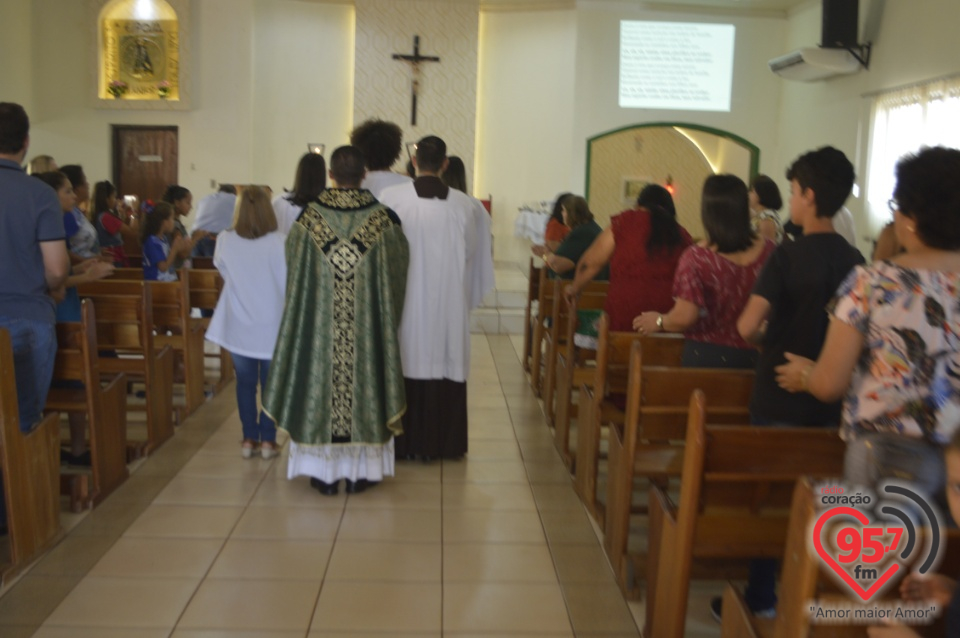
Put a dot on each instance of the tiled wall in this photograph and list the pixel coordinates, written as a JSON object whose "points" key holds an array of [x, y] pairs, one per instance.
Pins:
{"points": [[448, 89]]}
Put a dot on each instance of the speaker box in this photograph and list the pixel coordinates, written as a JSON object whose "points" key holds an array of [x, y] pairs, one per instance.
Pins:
{"points": [[840, 23]]}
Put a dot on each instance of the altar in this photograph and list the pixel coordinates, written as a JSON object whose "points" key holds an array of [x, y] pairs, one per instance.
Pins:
{"points": [[531, 221]]}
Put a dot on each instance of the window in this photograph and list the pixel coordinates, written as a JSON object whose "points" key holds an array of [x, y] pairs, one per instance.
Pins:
{"points": [[903, 121]]}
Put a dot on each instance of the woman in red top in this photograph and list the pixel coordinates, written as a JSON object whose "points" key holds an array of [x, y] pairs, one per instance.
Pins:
{"points": [[642, 246], [556, 230], [713, 281]]}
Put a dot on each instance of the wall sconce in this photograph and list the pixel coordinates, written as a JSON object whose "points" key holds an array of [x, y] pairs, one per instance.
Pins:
{"points": [[316, 149]]}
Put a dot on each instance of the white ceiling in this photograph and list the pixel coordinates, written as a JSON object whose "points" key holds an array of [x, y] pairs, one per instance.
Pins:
{"points": [[768, 7]]}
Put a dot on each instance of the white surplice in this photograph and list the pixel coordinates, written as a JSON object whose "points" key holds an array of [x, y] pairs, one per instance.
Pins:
{"points": [[451, 269], [378, 181]]}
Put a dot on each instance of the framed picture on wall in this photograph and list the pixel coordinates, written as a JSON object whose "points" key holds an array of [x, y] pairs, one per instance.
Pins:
{"points": [[631, 187]]}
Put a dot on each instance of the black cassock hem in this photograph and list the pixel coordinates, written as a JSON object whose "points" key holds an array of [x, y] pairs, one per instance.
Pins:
{"points": [[435, 424]]}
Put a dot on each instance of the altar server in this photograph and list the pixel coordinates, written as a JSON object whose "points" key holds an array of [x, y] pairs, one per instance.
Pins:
{"points": [[451, 269]]}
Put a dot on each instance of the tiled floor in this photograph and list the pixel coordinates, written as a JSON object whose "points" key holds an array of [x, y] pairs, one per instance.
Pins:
{"points": [[201, 543]]}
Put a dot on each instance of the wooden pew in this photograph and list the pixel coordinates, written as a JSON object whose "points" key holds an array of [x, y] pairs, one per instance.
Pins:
{"points": [[171, 310], [125, 324], [593, 295], [202, 263], [105, 409], [735, 494], [205, 287], [601, 397], [546, 289], [574, 366], [649, 444], [30, 466], [803, 578], [534, 273]]}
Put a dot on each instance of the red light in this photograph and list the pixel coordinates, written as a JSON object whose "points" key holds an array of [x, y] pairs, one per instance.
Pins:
{"points": [[668, 184]]}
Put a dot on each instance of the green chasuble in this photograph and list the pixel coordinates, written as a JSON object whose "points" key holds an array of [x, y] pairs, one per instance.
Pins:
{"points": [[336, 375]]}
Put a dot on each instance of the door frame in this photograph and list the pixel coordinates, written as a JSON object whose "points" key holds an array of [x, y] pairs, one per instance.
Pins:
{"points": [[116, 129]]}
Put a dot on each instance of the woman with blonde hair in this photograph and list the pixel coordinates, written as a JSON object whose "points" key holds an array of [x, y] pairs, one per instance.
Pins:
{"points": [[42, 164], [250, 258]]}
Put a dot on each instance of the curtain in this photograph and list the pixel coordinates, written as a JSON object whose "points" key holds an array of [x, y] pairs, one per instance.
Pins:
{"points": [[905, 120]]}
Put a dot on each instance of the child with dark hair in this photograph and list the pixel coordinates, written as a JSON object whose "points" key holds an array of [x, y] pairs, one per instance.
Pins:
{"points": [[787, 313], [181, 201], [109, 224], [158, 251], [381, 143]]}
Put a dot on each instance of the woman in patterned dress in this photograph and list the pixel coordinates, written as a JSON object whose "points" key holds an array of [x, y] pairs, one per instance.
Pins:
{"points": [[713, 281], [893, 346]]}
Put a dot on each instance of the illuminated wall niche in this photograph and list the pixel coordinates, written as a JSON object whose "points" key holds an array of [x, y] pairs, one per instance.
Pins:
{"points": [[139, 56]]}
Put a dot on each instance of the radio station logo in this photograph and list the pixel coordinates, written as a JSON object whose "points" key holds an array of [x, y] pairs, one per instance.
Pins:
{"points": [[869, 544]]}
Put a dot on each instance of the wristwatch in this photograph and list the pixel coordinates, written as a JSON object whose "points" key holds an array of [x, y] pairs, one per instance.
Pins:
{"points": [[660, 323]]}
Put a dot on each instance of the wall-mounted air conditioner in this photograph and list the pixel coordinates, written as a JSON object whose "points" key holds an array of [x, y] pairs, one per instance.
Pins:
{"points": [[813, 63]]}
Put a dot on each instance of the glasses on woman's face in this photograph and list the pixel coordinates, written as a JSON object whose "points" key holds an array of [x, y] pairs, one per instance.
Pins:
{"points": [[893, 205]]}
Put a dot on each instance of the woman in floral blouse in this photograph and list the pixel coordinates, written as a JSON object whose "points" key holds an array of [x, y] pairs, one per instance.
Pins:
{"points": [[893, 347]]}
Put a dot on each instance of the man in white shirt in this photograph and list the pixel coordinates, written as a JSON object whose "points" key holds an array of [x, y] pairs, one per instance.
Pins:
{"points": [[451, 268], [843, 225], [380, 142], [214, 215]]}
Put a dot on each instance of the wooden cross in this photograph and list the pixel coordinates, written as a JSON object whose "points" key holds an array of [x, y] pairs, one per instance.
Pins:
{"points": [[415, 61]]}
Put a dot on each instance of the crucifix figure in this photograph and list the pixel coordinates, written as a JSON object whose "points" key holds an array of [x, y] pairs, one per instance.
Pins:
{"points": [[415, 61]]}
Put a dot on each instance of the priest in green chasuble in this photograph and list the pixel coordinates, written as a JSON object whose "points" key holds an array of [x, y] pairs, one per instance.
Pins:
{"points": [[336, 381]]}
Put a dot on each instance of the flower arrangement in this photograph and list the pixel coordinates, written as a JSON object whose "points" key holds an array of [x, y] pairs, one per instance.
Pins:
{"points": [[117, 88], [163, 89]]}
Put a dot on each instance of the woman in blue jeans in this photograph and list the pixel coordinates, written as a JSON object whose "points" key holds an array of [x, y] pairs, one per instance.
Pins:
{"points": [[250, 258]]}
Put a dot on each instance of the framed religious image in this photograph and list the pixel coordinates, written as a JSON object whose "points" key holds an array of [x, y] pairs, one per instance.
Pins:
{"points": [[631, 189], [139, 56]]}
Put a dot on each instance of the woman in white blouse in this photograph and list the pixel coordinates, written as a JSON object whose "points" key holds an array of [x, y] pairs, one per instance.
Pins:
{"points": [[250, 258]]}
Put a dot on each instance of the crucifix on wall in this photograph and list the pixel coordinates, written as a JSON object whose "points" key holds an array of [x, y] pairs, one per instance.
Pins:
{"points": [[415, 61]]}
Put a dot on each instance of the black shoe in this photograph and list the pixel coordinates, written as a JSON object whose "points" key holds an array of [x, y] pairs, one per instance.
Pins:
{"points": [[327, 489], [80, 460], [716, 610], [355, 487]]}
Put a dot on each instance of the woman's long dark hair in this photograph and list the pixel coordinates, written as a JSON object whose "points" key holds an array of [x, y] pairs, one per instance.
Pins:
{"points": [[725, 211], [664, 229], [311, 179], [101, 191], [557, 214]]}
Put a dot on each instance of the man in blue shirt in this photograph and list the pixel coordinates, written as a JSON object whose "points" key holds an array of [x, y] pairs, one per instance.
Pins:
{"points": [[33, 266], [33, 269]]}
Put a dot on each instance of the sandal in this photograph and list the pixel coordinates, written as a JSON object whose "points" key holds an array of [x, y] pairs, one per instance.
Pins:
{"points": [[249, 448], [268, 450]]}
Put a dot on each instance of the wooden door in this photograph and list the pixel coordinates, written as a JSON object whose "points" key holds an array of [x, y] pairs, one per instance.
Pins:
{"points": [[144, 160]]}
